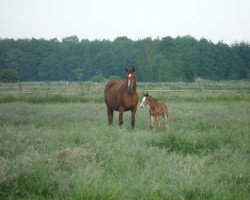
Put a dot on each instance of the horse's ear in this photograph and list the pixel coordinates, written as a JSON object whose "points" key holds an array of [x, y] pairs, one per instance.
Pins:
{"points": [[126, 69], [133, 69], [147, 94]]}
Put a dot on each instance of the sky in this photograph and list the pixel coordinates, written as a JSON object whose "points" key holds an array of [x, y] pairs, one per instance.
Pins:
{"points": [[215, 20]]}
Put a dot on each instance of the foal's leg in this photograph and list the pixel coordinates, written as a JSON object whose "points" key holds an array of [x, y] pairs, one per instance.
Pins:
{"points": [[110, 113], [133, 111], [166, 118], [151, 121], [158, 122], [121, 110]]}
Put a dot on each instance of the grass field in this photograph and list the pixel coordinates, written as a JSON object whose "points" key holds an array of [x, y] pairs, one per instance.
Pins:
{"points": [[56, 144]]}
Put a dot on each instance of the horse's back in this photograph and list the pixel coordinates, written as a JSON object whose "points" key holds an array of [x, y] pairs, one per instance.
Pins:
{"points": [[112, 86]]}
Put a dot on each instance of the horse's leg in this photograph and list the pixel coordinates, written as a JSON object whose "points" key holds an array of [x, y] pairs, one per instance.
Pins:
{"points": [[158, 122], [133, 111], [121, 110], [110, 113], [151, 121]]}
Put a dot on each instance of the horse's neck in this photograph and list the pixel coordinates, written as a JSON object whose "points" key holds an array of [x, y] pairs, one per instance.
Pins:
{"points": [[134, 87], [125, 85]]}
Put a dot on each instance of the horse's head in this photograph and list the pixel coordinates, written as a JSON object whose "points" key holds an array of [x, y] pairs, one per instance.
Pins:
{"points": [[145, 100], [131, 79]]}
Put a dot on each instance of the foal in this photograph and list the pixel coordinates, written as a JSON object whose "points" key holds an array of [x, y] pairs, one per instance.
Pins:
{"points": [[156, 109]]}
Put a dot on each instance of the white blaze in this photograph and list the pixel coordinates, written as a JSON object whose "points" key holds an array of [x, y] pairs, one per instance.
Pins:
{"points": [[142, 102], [129, 79]]}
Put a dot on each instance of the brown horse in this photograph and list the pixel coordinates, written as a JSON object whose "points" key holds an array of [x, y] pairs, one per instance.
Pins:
{"points": [[121, 95], [156, 109]]}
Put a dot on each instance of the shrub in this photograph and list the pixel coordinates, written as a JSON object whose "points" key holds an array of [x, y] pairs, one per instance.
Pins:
{"points": [[8, 76], [114, 78], [98, 78]]}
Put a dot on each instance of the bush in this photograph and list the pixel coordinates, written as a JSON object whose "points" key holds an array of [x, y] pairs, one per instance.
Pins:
{"points": [[114, 78], [98, 78], [8, 76]]}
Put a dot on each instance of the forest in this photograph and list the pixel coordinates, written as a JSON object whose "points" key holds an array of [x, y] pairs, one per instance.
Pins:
{"points": [[156, 60]]}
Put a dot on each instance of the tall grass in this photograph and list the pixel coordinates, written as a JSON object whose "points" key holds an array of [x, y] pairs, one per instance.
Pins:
{"points": [[63, 92], [68, 151]]}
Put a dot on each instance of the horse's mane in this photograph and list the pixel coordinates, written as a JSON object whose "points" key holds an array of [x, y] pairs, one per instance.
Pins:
{"points": [[147, 95]]}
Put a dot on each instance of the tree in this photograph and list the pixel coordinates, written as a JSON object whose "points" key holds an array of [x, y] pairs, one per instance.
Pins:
{"points": [[166, 59], [243, 50], [9, 76], [146, 60], [73, 39], [78, 73], [98, 78], [170, 59]]}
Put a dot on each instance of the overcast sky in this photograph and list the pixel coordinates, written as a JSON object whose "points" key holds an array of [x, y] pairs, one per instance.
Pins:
{"points": [[226, 20]]}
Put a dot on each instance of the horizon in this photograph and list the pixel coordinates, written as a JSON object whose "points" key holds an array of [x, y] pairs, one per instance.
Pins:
{"points": [[139, 39]]}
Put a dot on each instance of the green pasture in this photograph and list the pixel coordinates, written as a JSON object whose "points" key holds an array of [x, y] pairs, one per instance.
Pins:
{"points": [[63, 92], [55, 143]]}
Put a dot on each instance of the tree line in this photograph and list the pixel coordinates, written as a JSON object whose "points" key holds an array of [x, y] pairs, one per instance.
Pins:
{"points": [[166, 59]]}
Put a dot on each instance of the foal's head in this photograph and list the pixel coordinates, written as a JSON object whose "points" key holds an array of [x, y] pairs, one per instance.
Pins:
{"points": [[131, 79], [145, 100]]}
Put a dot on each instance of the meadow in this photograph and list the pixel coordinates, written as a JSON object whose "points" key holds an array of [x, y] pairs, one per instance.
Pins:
{"points": [[55, 143]]}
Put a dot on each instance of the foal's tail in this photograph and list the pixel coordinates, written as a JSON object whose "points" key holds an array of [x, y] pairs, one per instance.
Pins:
{"points": [[165, 110], [165, 114]]}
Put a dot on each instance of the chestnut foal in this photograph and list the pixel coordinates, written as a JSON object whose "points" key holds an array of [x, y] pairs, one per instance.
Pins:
{"points": [[156, 110]]}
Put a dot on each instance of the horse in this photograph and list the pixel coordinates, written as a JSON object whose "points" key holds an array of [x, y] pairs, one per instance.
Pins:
{"points": [[121, 95], [156, 110]]}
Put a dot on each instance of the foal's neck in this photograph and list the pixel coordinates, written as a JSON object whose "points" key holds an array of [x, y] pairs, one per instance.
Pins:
{"points": [[153, 103]]}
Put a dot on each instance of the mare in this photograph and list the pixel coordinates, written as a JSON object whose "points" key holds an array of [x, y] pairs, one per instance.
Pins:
{"points": [[121, 95], [156, 110]]}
